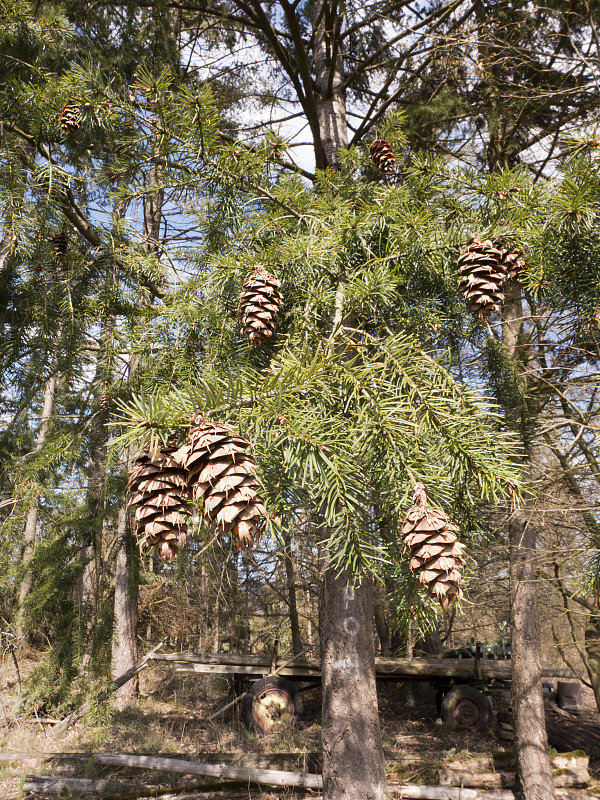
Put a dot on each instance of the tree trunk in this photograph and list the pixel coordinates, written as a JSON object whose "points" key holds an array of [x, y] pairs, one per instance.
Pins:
{"points": [[88, 590], [124, 648], [124, 645], [290, 576], [531, 741], [31, 523], [381, 625], [353, 763], [329, 79]]}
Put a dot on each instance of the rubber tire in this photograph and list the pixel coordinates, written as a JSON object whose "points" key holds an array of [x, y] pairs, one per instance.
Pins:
{"points": [[272, 705], [466, 707]]}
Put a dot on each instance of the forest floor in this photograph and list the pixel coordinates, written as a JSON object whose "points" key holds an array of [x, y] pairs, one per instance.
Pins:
{"points": [[170, 722]]}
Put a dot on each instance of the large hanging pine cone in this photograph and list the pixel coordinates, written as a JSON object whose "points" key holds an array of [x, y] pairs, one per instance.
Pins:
{"points": [[223, 478], [159, 490], [70, 117], [59, 242], [382, 155], [436, 556], [259, 302], [481, 275], [513, 261]]}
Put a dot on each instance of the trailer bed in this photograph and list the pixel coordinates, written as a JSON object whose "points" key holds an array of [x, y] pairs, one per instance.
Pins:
{"points": [[308, 669]]}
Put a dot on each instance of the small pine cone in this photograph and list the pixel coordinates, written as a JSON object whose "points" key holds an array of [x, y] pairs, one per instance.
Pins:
{"points": [[70, 117], [513, 261], [436, 556], [159, 490], [481, 276], [59, 242], [223, 477], [382, 155], [104, 402], [259, 302]]}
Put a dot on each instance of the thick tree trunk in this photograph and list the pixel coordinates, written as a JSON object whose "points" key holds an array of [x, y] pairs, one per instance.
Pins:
{"points": [[353, 763], [329, 78], [531, 740], [124, 645], [31, 523]]}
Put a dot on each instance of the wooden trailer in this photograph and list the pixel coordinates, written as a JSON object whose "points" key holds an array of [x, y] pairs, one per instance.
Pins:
{"points": [[274, 700]]}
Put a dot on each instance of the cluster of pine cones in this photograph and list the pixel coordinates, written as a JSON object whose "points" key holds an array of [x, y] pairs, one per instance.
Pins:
{"points": [[483, 269], [211, 468]]}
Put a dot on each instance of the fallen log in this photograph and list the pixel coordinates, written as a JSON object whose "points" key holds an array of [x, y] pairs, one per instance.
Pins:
{"points": [[50, 786], [46, 784], [267, 776], [116, 684], [414, 792]]}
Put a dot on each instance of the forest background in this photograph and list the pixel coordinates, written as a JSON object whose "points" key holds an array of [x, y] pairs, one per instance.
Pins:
{"points": [[152, 155]]}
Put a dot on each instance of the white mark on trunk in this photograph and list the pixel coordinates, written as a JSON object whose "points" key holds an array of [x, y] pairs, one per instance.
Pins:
{"points": [[349, 663], [348, 595], [351, 626]]}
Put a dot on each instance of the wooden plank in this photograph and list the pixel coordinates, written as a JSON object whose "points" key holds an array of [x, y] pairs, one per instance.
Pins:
{"points": [[228, 669], [390, 668]]}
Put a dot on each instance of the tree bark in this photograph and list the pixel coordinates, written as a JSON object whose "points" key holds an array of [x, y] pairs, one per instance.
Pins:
{"points": [[531, 740], [353, 762], [329, 80]]}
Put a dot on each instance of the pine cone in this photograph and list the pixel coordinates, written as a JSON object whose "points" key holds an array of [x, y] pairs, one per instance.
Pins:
{"points": [[59, 242], [222, 476], [259, 302], [159, 490], [436, 556], [382, 155], [482, 274], [70, 117], [513, 261]]}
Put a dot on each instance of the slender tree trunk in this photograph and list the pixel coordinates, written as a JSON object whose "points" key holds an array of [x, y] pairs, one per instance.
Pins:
{"points": [[290, 578], [31, 523], [89, 588], [383, 632], [353, 764], [531, 740], [124, 645]]}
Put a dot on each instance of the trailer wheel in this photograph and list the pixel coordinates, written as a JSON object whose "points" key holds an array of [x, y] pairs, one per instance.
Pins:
{"points": [[466, 707], [272, 705]]}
